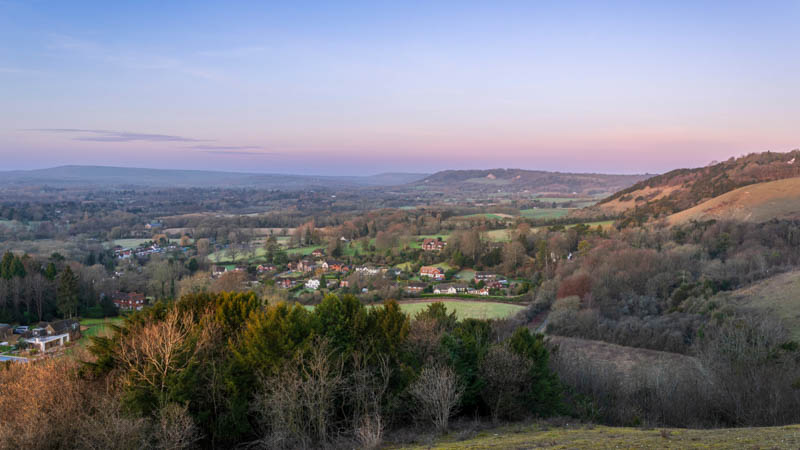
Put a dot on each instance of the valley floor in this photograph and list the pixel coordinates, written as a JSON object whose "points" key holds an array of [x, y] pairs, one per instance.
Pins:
{"points": [[595, 436]]}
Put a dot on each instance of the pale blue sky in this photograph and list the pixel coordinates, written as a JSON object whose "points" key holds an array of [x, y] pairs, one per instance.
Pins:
{"points": [[366, 87]]}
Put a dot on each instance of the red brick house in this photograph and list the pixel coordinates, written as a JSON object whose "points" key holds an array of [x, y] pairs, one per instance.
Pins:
{"points": [[129, 301], [433, 245], [436, 273]]}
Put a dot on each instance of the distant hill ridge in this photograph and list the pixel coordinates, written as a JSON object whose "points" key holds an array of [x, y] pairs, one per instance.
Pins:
{"points": [[129, 176], [682, 189], [518, 180]]}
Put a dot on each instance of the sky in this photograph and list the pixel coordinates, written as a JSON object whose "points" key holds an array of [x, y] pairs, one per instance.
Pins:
{"points": [[349, 88]]}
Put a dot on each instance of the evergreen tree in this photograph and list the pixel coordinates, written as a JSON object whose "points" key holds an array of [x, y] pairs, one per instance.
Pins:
{"points": [[50, 272], [5, 265], [67, 293]]}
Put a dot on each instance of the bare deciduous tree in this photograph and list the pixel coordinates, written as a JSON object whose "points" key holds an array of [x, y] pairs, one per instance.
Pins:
{"points": [[437, 392], [156, 352], [175, 429], [296, 406], [505, 373]]}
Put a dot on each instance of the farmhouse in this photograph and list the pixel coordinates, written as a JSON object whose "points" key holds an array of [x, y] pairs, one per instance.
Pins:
{"points": [[433, 245], [318, 253], [129, 301], [455, 288], [436, 273]]}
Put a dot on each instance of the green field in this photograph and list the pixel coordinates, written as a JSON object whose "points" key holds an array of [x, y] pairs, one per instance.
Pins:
{"points": [[465, 309], [497, 235], [406, 266], [303, 251], [603, 223], [492, 216], [129, 243], [596, 436], [98, 327], [466, 275], [544, 213]]}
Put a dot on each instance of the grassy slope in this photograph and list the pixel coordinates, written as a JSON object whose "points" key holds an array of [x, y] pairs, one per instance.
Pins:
{"points": [[755, 203], [779, 294], [591, 436]]}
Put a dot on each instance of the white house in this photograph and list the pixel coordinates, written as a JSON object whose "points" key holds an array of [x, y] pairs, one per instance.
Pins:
{"points": [[44, 343], [449, 288], [367, 270], [312, 284]]}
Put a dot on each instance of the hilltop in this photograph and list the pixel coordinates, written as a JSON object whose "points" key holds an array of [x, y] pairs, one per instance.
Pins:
{"points": [[681, 189], [520, 180]]}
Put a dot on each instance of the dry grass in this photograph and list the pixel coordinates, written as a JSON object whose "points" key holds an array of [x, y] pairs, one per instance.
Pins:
{"points": [[617, 206], [755, 203], [778, 295], [591, 436], [625, 359]]}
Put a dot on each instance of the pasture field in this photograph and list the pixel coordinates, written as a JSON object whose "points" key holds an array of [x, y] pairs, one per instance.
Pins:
{"points": [[406, 266], [498, 235], [544, 213], [465, 309], [97, 327], [303, 251], [544, 435], [466, 274], [606, 224], [493, 216], [129, 243]]}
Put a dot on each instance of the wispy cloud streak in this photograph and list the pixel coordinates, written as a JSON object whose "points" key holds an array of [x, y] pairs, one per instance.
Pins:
{"points": [[117, 136]]}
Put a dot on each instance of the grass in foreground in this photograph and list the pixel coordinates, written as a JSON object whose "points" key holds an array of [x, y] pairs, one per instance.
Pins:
{"points": [[591, 436]]}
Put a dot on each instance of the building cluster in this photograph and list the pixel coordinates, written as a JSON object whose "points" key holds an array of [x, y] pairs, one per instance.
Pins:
{"points": [[43, 337]]}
